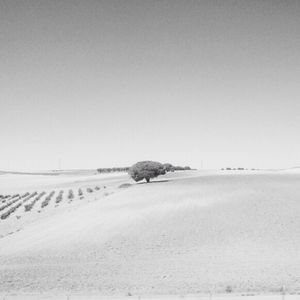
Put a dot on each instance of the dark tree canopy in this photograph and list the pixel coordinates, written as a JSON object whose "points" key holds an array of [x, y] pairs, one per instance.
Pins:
{"points": [[146, 170], [169, 167]]}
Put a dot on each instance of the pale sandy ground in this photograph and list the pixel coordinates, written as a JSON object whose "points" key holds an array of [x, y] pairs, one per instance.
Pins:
{"points": [[193, 232], [167, 297]]}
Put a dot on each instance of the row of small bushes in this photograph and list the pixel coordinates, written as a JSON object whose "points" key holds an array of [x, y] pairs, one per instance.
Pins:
{"points": [[28, 207], [9, 203], [239, 169], [27, 196], [71, 195], [59, 196], [111, 170], [89, 190], [30, 196], [10, 211], [47, 199], [3, 198], [7, 197]]}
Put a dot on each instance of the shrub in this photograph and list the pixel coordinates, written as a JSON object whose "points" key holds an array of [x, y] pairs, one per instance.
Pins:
{"points": [[80, 193], [59, 197], [28, 207], [89, 190], [71, 195], [47, 199], [30, 196], [25, 195], [146, 170], [97, 188], [124, 185]]}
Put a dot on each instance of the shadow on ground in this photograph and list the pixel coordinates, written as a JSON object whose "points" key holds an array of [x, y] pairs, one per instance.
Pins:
{"points": [[156, 181]]}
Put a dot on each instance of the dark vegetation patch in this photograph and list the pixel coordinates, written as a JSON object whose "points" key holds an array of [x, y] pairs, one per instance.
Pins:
{"points": [[71, 195], [125, 185], [59, 197], [28, 207], [47, 199], [10, 211]]}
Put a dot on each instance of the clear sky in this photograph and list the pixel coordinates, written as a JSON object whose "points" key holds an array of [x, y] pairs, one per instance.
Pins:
{"points": [[109, 83]]}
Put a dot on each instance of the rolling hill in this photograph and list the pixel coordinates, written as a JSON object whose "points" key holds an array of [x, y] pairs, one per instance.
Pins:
{"points": [[186, 232]]}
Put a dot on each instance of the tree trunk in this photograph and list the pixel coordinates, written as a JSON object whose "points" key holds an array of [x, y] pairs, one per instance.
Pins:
{"points": [[148, 179]]}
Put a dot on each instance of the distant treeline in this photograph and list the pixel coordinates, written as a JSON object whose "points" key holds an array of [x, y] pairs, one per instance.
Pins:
{"points": [[168, 167], [239, 169], [111, 170]]}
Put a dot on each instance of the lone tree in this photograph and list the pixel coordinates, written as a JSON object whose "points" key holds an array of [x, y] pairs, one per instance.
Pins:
{"points": [[146, 170]]}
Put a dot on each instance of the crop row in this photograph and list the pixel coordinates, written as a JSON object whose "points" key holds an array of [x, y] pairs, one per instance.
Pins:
{"points": [[71, 195], [59, 197], [25, 197], [14, 200], [80, 193], [17, 200], [28, 207], [10, 211], [3, 198], [47, 199]]}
